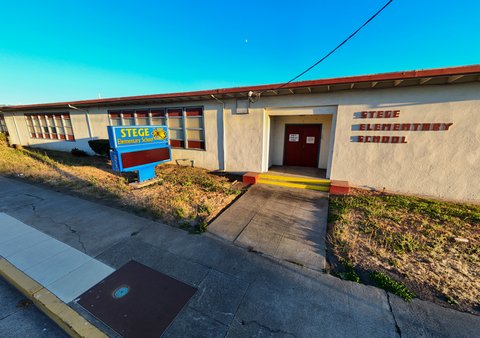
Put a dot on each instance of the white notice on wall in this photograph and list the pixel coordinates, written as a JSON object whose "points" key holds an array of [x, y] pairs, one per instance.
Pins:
{"points": [[310, 140], [293, 137]]}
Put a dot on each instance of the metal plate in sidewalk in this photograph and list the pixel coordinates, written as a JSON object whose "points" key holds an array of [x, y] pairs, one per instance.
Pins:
{"points": [[137, 301]]}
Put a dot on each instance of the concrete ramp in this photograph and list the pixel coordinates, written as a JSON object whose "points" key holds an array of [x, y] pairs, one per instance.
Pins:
{"points": [[284, 223]]}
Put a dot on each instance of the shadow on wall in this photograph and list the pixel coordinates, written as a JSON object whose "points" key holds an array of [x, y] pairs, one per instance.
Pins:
{"points": [[53, 158], [62, 145], [55, 153], [392, 99]]}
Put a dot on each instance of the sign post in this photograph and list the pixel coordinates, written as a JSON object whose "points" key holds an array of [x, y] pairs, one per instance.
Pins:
{"points": [[139, 148]]}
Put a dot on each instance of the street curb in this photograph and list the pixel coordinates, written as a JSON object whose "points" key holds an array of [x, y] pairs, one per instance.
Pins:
{"points": [[64, 316]]}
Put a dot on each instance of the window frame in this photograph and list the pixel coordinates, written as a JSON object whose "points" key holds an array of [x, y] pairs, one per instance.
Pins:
{"points": [[181, 113], [187, 128], [40, 126], [180, 143]]}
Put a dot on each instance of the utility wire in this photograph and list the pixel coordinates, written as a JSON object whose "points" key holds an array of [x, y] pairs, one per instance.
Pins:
{"points": [[333, 50]]}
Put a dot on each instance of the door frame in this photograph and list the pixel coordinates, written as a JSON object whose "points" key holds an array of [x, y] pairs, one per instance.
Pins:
{"points": [[302, 124]]}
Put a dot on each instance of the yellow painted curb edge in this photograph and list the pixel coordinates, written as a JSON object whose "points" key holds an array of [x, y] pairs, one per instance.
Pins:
{"points": [[294, 179], [68, 319], [295, 185]]}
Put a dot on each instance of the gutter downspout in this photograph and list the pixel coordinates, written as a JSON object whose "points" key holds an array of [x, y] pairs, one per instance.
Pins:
{"points": [[87, 117], [224, 134]]}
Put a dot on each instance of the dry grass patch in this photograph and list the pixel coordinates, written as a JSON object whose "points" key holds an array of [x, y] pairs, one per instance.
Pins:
{"points": [[430, 246], [183, 196]]}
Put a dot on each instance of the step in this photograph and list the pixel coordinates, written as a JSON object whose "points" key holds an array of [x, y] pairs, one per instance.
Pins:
{"points": [[294, 185], [295, 179]]}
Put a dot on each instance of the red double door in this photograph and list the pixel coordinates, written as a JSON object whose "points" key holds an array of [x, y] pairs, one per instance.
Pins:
{"points": [[302, 145]]}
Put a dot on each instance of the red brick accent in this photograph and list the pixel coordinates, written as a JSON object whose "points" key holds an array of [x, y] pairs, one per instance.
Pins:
{"points": [[250, 178], [339, 188]]}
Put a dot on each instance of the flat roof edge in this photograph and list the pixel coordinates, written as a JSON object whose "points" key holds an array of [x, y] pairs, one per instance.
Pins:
{"points": [[401, 75]]}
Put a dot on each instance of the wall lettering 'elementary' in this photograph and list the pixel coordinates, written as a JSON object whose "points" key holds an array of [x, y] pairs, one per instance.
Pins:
{"points": [[391, 127]]}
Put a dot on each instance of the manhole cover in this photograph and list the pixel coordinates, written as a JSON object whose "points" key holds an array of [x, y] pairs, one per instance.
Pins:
{"points": [[137, 301]]}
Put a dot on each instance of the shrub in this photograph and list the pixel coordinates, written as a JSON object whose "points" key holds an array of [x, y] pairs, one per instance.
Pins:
{"points": [[200, 226], [79, 153], [3, 138], [100, 147]]}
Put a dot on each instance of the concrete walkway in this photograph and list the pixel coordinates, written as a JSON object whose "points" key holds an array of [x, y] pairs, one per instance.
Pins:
{"points": [[284, 223], [241, 293]]}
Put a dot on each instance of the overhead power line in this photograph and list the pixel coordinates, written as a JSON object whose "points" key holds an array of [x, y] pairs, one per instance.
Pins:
{"points": [[335, 49]]}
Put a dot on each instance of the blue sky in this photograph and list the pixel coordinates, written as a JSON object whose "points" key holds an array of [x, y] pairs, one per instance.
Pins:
{"points": [[66, 50]]}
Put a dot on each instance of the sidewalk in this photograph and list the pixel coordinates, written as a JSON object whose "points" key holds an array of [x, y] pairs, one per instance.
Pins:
{"points": [[240, 293], [63, 270], [284, 223]]}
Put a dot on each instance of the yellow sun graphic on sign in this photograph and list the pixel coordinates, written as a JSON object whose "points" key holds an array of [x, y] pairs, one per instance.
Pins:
{"points": [[159, 134]]}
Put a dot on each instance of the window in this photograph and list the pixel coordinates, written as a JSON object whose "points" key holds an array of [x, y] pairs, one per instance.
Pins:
{"points": [[175, 127], [56, 126], [158, 117], [67, 124], [142, 117], [185, 125], [194, 128], [3, 125], [115, 118], [127, 118], [59, 126]]}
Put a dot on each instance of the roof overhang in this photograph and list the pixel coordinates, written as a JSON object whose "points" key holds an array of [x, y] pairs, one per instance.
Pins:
{"points": [[439, 76]]}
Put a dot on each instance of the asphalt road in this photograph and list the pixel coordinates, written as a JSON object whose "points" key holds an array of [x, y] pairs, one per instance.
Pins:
{"points": [[20, 318]]}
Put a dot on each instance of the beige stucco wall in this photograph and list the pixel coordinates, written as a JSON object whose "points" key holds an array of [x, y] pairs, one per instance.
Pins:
{"points": [[254, 141], [98, 117], [245, 139], [442, 164], [79, 125], [11, 128]]}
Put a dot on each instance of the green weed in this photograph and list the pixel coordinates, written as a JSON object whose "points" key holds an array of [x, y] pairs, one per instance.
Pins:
{"points": [[451, 301], [349, 273], [385, 282], [179, 213], [204, 209]]}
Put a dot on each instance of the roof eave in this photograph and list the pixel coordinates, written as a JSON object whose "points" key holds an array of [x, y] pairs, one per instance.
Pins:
{"points": [[453, 74]]}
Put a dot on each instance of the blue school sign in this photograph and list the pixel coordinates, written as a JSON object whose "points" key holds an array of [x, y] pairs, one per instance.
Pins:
{"points": [[139, 148]]}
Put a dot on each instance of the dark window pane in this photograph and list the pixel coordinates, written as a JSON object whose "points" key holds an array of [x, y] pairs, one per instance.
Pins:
{"points": [[158, 112], [194, 111], [196, 145], [142, 113], [174, 112], [127, 114], [177, 143]]}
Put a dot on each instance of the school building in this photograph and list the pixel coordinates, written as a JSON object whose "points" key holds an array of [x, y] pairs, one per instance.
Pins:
{"points": [[414, 132]]}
